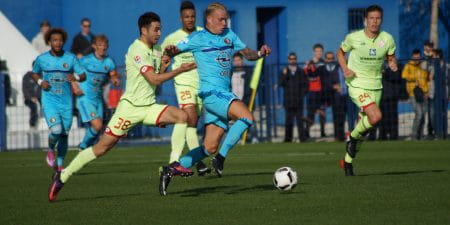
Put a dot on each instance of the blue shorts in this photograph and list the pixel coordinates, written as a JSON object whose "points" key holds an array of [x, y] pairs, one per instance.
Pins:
{"points": [[90, 109], [62, 114], [216, 105]]}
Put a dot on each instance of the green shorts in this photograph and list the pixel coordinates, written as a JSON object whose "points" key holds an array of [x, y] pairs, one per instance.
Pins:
{"points": [[127, 116], [364, 97], [188, 96]]}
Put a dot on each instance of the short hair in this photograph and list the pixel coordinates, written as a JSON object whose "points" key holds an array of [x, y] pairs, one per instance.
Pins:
{"points": [[330, 52], [439, 53], [52, 31], [187, 5], [146, 19], [318, 45], [100, 37], [212, 7], [85, 19], [45, 23], [373, 8], [429, 43], [238, 54], [292, 54], [415, 51]]}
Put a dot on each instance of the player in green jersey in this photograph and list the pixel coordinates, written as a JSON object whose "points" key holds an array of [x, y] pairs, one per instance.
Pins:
{"points": [[367, 48], [186, 88], [145, 68]]}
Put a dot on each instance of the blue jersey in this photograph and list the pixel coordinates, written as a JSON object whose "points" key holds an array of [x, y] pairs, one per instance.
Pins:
{"points": [[97, 72], [213, 56], [54, 70]]}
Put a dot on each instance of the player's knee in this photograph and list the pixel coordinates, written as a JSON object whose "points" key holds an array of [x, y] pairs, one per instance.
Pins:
{"points": [[375, 118], [182, 117], [97, 126], [192, 121]]}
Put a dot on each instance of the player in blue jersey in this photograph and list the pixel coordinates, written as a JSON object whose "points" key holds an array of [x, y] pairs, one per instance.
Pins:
{"points": [[54, 71], [98, 67], [213, 48]]}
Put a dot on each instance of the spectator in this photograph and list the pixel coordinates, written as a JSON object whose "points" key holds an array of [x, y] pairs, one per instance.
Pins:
{"points": [[294, 82], [339, 92], [417, 88], [428, 65], [32, 96], [81, 44], [318, 85], [240, 86], [38, 41], [7, 82], [392, 81]]}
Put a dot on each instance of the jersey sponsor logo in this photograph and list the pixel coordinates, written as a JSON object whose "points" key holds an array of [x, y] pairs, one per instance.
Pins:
{"points": [[372, 52], [381, 44], [65, 65], [137, 59], [224, 59], [106, 68], [184, 41], [225, 73], [227, 41]]}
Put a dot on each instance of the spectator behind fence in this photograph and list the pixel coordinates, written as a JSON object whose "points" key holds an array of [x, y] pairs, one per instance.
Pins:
{"points": [[294, 82], [428, 65], [338, 100], [81, 44], [32, 97], [314, 71], [392, 81], [240, 86], [417, 88], [38, 41]]}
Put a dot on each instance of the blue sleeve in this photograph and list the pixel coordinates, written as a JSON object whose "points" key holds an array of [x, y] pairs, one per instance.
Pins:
{"points": [[37, 66], [191, 43], [112, 65], [237, 43], [77, 68]]}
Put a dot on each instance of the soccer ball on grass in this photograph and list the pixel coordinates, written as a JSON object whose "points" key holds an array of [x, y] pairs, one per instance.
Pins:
{"points": [[285, 178]]}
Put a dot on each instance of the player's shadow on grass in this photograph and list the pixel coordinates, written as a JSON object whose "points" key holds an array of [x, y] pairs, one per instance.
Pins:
{"points": [[402, 173], [214, 176], [102, 197], [203, 190], [103, 172]]}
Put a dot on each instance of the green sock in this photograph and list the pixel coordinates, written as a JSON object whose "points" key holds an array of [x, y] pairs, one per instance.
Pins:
{"points": [[77, 163], [192, 138], [178, 139], [348, 158], [361, 127]]}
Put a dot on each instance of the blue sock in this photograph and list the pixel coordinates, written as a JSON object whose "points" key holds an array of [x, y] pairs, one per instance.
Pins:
{"points": [[193, 156], [234, 134], [63, 145], [54, 135], [89, 138]]}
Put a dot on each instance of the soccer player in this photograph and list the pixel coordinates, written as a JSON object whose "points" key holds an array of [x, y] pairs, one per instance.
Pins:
{"points": [[58, 69], [367, 48], [98, 67], [213, 48], [145, 67], [186, 88]]}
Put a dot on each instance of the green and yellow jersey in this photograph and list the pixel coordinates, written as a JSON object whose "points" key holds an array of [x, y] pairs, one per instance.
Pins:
{"points": [[138, 60], [367, 57], [189, 78]]}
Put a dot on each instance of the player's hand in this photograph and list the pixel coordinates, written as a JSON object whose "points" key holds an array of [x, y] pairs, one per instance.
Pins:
{"points": [[348, 73], [187, 66], [171, 50], [393, 65], [285, 71], [265, 50], [45, 85]]}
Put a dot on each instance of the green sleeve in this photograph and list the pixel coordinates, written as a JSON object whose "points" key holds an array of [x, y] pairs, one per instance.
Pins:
{"points": [[346, 45]]}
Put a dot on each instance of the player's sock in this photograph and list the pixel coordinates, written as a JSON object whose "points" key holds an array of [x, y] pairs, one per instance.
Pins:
{"points": [[178, 139], [348, 158], [193, 156], [77, 163], [234, 134], [192, 138], [361, 128], [54, 135], [63, 145], [89, 138]]}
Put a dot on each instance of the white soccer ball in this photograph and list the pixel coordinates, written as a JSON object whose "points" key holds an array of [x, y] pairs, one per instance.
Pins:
{"points": [[285, 178]]}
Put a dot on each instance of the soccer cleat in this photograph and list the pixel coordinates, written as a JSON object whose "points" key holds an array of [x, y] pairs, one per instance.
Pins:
{"points": [[174, 169], [217, 164], [202, 169], [55, 187], [50, 158], [353, 145], [348, 168]]}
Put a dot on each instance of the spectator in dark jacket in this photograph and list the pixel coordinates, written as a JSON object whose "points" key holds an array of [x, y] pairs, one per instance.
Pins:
{"points": [[81, 44], [294, 82], [32, 95]]}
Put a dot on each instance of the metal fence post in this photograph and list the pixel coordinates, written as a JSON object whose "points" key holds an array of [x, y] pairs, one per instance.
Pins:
{"points": [[439, 112], [2, 113]]}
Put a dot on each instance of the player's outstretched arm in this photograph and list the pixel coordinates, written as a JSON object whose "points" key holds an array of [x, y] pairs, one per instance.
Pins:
{"points": [[254, 55], [157, 79], [343, 63]]}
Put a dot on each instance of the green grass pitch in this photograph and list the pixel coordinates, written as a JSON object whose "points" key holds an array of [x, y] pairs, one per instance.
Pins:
{"points": [[396, 183]]}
